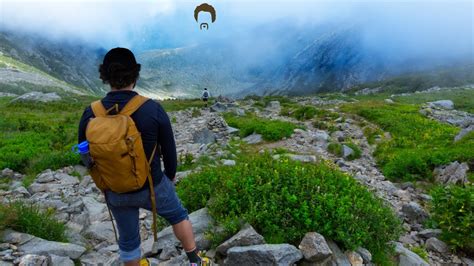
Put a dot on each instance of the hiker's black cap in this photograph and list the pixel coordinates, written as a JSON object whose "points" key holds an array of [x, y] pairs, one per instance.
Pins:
{"points": [[122, 56]]}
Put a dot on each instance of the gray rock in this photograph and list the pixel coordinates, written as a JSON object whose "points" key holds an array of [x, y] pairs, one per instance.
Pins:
{"points": [[338, 136], [314, 247], [102, 231], [365, 254], [429, 233], [13, 237], [228, 162], [181, 260], [389, 101], [95, 258], [463, 133], [168, 252], [453, 173], [347, 151], [33, 260], [274, 105], [96, 211], [81, 170], [41, 246], [36, 96], [414, 212], [468, 261], [61, 261], [245, 237], [7, 173], [204, 136], [321, 136], [201, 221], [218, 107], [279, 254], [303, 158], [436, 245], [233, 130], [253, 139], [338, 257], [407, 257], [443, 104], [354, 258]]}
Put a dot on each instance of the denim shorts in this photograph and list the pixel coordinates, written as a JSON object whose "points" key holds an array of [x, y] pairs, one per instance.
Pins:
{"points": [[125, 209]]}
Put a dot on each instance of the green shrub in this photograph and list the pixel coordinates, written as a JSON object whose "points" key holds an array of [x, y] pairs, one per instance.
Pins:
{"points": [[28, 218], [452, 210], [284, 199], [418, 144], [271, 130]]}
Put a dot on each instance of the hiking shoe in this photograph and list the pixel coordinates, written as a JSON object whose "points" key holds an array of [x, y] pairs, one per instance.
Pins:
{"points": [[205, 261], [144, 262]]}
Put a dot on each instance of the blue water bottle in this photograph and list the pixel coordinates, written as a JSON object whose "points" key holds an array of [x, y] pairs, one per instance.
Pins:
{"points": [[83, 150]]}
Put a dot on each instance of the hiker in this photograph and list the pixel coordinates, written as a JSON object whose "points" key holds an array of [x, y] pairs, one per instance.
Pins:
{"points": [[127, 133], [205, 96]]}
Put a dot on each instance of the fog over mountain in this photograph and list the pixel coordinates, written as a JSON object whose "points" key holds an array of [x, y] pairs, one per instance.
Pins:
{"points": [[265, 47]]}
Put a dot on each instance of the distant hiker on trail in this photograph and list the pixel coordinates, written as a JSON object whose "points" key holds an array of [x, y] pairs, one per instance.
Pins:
{"points": [[125, 134], [205, 96]]}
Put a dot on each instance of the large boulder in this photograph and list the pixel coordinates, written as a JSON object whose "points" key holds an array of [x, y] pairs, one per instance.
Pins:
{"points": [[201, 221], [34, 245], [314, 247], [442, 104], [453, 173], [204, 136], [276, 254], [436, 245], [218, 107], [36, 96], [338, 257], [245, 237], [414, 212], [253, 139], [407, 257]]}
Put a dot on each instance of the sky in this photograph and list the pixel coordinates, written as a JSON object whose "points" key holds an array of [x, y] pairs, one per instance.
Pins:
{"points": [[411, 26]]}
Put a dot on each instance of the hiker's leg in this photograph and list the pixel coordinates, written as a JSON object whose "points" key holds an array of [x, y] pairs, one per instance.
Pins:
{"points": [[126, 219], [184, 232]]}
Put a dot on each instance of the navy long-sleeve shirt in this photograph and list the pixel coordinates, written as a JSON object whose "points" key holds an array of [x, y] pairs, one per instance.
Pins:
{"points": [[154, 125]]}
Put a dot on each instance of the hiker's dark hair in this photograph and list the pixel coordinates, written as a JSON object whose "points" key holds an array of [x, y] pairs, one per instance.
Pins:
{"points": [[119, 76]]}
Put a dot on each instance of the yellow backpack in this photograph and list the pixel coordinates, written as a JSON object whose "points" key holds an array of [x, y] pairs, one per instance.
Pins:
{"points": [[116, 147]]}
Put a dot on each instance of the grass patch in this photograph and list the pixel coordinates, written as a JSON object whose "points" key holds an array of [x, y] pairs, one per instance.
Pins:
{"points": [[452, 210], [271, 130], [418, 144], [28, 218], [183, 104], [284, 199]]}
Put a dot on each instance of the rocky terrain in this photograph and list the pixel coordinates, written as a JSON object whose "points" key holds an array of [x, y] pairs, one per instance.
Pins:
{"points": [[204, 132]]}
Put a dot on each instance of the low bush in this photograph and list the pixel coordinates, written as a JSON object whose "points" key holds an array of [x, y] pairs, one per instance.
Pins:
{"points": [[28, 218], [452, 210], [284, 199], [418, 144], [271, 130]]}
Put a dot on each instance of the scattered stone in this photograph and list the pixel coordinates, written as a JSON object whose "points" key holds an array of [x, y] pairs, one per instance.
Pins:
{"points": [[33, 260], [36, 96], [218, 107], [7, 173], [389, 101], [245, 237], [314, 247], [204, 136], [436, 245], [13, 237], [274, 105], [233, 130], [355, 258], [414, 212], [338, 257], [101, 231], [453, 173], [408, 257], [338, 136], [321, 136], [443, 104], [228, 162], [276, 254], [41, 246], [429, 233], [463, 133], [63, 261], [303, 158], [347, 151], [253, 139], [365, 254]]}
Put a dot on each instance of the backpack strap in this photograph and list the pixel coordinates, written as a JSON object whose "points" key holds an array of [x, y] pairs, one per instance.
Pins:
{"points": [[153, 201], [98, 109], [133, 105]]}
